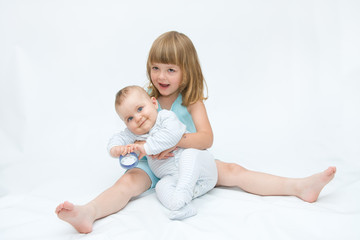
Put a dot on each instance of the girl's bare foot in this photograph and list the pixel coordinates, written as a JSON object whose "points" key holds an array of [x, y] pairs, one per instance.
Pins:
{"points": [[310, 187], [80, 217]]}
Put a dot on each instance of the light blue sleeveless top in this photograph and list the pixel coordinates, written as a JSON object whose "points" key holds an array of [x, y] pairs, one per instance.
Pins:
{"points": [[182, 113]]}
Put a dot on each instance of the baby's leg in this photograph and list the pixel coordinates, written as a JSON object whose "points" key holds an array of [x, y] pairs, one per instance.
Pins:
{"points": [[197, 175], [190, 167], [195, 167], [187, 211], [132, 183], [165, 190], [175, 191]]}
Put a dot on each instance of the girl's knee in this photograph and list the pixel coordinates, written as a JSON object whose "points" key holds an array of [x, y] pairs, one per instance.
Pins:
{"points": [[229, 168], [235, 169], [126, 180], [134, 179], [227, 172]]}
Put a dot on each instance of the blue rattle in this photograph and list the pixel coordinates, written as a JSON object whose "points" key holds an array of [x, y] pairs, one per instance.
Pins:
{"points": [[129, 161]]}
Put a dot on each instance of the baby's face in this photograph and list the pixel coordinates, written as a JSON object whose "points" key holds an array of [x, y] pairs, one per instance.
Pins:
{"points": [[138, 112]]}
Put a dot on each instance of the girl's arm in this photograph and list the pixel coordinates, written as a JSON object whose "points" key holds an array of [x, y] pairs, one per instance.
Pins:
{"points": [[203, 137]]}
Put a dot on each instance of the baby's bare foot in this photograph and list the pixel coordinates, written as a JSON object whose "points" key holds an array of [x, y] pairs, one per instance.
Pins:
{"points": [[80, 217], [311, 187]]}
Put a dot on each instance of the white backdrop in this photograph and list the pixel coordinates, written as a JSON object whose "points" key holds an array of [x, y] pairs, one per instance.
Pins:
{"points": [[283, 79]]}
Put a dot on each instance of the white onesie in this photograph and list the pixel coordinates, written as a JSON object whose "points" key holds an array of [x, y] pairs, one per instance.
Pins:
{"points": [[189, 174]]}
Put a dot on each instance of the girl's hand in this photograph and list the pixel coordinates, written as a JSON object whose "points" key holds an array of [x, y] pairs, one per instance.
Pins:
{"points": [[165, 154]]}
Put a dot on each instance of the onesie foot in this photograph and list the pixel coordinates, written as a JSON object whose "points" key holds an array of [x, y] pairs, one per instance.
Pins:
{"points": [[185, 212]]}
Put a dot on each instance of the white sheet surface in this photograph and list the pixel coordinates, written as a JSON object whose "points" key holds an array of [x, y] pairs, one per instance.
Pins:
{"points": [[284, 98]]}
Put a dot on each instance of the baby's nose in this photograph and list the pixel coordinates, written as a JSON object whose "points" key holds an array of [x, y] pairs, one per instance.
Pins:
{"points": [[137, 117]]}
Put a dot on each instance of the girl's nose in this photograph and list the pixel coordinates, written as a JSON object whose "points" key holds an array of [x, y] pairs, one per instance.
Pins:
{"points": [[162, 75]]}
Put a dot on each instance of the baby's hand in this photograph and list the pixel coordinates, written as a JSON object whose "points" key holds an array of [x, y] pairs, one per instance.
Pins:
{"points": [[120, 150], [139, 149]]}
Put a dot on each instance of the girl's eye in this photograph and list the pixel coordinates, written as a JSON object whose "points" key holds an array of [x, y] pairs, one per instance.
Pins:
{"points": [[171, 70], [129, 119], [140, 109], [154, 68]]}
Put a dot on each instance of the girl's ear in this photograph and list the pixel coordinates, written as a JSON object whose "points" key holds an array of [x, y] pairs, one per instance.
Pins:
{"points": [[155, 102]]}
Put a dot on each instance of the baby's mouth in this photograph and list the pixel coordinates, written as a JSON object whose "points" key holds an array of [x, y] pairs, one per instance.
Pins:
{"points": [[142, 123]]}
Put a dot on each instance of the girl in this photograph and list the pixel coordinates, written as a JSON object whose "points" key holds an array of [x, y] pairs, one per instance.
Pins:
{"points": [[177, 82]]}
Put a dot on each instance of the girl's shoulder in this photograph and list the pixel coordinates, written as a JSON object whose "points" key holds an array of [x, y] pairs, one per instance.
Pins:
{"points": [[198, 105]]}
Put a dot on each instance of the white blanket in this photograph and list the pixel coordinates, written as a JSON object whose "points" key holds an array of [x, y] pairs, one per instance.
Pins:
{"points": [[284, 98]]}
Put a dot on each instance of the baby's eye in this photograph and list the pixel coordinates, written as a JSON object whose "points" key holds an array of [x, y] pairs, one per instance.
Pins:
{"points": [[129, 119], [140, 109]]}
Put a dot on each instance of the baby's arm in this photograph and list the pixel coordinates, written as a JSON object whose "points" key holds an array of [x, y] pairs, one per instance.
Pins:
{"points": [[166, 135], [118, 143], [203, 137]]}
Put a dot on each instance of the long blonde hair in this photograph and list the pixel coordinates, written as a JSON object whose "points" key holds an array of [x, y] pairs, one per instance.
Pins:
{"points": [[176, 48]]}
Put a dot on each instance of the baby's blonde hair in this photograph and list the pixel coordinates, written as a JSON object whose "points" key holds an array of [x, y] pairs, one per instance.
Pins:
{"points": [[176, 48], [124, 92]]}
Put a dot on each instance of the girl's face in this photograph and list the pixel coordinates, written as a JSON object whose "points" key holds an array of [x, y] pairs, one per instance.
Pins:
{"points": [[166, 78]]}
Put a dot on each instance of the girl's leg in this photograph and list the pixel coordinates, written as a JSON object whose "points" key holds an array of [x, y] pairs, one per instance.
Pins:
{"points": [[81, 217], [307, 189]]}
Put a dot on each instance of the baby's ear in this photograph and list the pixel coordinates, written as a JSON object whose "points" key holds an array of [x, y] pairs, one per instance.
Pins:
{"points": [[155, 102]]}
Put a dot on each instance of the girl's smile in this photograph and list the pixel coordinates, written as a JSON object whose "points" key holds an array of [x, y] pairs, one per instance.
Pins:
{"points": [[166, 78], [164, 85]]}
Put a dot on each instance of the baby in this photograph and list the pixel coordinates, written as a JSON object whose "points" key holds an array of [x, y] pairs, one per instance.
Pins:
{"points": [[190, 173]]}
